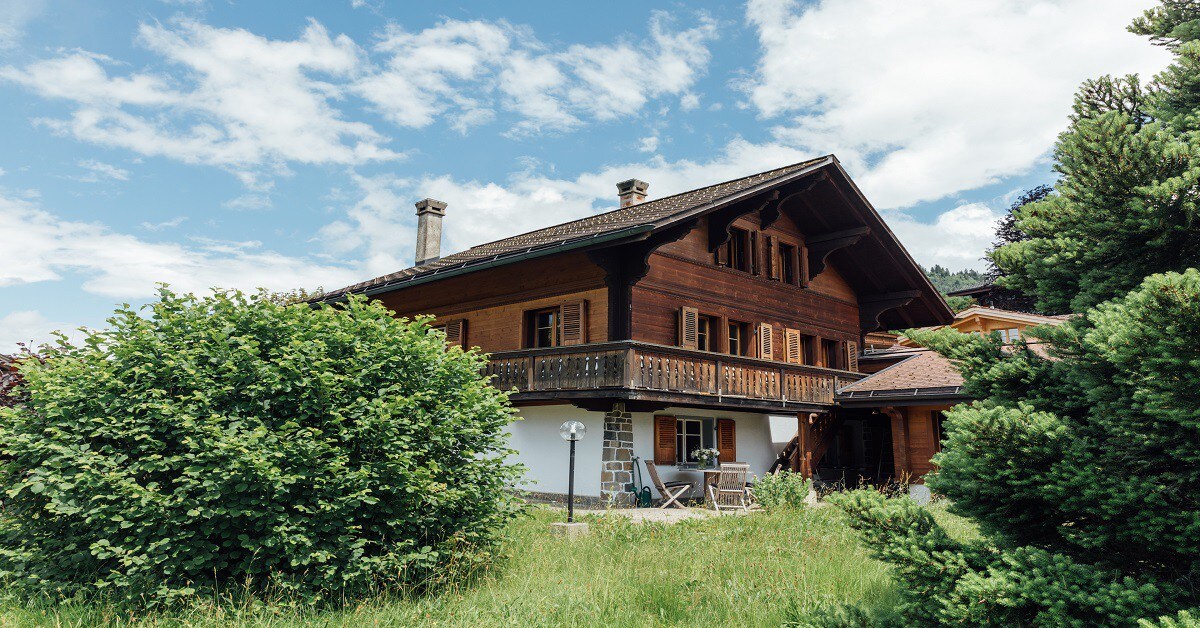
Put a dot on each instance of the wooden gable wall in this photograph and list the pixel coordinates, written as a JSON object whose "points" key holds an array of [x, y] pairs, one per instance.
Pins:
{"points": [[684, 273], [493, 301]]}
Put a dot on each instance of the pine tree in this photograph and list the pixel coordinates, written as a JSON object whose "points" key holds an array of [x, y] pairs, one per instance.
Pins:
{"points": [[1080, 458], [1126, 204]]}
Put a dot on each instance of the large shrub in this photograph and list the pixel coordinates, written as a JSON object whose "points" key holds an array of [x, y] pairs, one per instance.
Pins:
{"points": [[231, 441]]}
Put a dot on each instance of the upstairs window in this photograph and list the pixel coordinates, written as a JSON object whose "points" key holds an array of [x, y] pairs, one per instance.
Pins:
{"points": [[542, 328], [739, 337], [787, 263], [706, 333], [830, 354], [736, 253]]}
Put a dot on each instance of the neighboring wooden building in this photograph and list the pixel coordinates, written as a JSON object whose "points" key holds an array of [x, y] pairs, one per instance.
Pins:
{"points": [[699, 319], [910, 388]]}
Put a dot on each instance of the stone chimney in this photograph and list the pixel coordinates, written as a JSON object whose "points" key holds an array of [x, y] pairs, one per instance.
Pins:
{"points": [[429, 230], [632, 192]]}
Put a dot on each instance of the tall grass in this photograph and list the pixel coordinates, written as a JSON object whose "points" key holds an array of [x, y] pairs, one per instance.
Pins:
{"points": [[756, 570]]}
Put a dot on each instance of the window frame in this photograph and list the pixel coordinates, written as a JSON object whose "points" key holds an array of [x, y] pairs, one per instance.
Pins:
{"points": [[710, 323], [743, 337], [788, 271], [708, 437], [532, 327], [736, 250]]}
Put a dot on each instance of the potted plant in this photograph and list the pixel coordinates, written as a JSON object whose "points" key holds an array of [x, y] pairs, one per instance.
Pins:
{"points": [[705, 457]]}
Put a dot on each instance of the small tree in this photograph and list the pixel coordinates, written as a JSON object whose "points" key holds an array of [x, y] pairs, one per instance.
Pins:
{"points": [[230, 441]]}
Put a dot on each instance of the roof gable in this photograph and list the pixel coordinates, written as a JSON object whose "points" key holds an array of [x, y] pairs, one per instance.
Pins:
{"points": [[817, 194]]}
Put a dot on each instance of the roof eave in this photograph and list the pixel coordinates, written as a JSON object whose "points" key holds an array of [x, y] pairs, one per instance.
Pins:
{"points": [[635, 232]]}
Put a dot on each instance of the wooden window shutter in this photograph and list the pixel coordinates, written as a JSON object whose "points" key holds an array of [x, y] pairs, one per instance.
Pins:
{"points": [[574, 323], [852, 356], [456, 333], [722, 254], [755, 258], [802, 275], [793, 346], [664, 439], [726, 440], [766, 341], [689, 323], [772, 257]]}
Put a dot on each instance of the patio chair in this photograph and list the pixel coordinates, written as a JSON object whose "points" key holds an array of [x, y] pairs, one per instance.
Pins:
{"points": [[730, 489], [671, 491]]}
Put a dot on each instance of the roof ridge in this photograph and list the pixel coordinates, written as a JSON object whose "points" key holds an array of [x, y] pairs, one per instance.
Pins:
{"points": [[649, 202]]}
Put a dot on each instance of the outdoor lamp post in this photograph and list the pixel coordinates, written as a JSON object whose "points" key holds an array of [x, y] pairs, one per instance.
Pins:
{"points": [[571, 431]]}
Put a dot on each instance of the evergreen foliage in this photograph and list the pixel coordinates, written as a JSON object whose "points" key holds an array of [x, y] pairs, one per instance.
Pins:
{"points": [[946, 280], [1079, 459], [1080, 469], [233, 442], [1126, 205]]}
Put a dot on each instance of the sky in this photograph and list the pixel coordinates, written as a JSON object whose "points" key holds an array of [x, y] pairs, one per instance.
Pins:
{"points": [[221, 144]]}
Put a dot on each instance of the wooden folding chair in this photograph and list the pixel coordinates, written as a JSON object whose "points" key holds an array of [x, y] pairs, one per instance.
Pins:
{"points": [[730, 489], [671, 491]]}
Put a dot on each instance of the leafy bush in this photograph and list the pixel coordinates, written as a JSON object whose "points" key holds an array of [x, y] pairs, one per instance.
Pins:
{"points": [[782, 490], [233, 441]]}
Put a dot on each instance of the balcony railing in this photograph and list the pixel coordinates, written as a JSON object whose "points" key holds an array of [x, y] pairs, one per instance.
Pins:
{"points": [[639, 366]]}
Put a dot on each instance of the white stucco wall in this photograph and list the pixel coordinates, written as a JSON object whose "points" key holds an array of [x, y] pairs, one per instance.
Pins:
{"points": [[753, 440], [545, 454]]}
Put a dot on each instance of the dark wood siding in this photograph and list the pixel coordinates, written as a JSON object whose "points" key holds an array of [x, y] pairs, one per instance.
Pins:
{"points": [[493, 301]]}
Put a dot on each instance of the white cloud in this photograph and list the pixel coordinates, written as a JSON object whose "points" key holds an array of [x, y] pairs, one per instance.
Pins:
{"points": [[160, 226], [928, 99], [40, 246], [234, 99], [453, 69], [98, 171], [956, 239], [15, 15], [249, 201], [649, 144], [241, 102], [31, 328]]}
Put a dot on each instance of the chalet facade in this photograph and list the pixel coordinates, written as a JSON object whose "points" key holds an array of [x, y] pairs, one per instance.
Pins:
{"points": [[725, 317]]}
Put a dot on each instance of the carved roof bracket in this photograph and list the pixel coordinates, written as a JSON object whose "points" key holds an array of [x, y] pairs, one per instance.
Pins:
{"points": [[820, 247], [773, 209], [870, 308]]}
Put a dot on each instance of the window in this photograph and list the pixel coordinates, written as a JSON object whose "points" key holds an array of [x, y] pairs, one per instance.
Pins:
{"points": [[1010, 336], [542, 328], [830, 355], [739, 336], [706, 333], [787, 263], [692, 434], [733, 254]]}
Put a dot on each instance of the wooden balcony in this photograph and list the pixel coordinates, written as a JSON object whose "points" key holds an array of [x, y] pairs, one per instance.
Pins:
{"points": [[638, 371]]}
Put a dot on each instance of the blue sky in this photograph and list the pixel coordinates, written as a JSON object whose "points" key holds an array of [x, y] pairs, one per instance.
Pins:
{"points": [[243, 144]]}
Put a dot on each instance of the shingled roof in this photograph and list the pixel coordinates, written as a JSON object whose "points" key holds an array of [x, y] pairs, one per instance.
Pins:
{"points": [[924, 374], [628, 219]]}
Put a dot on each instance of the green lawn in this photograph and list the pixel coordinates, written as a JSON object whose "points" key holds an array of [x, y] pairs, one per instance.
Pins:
{"points": [[757, 570]]}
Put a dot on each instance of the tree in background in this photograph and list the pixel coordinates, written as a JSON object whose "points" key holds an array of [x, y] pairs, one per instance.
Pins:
{"points": [[226, 442], [946, 280], [1081, 468], [1126, 204]]}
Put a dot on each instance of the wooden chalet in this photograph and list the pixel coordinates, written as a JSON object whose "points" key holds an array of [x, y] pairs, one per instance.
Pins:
{"points": [[727, 316]]}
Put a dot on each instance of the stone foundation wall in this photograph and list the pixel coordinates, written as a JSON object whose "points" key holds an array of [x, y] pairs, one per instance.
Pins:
{"points": [[617, 457]]}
